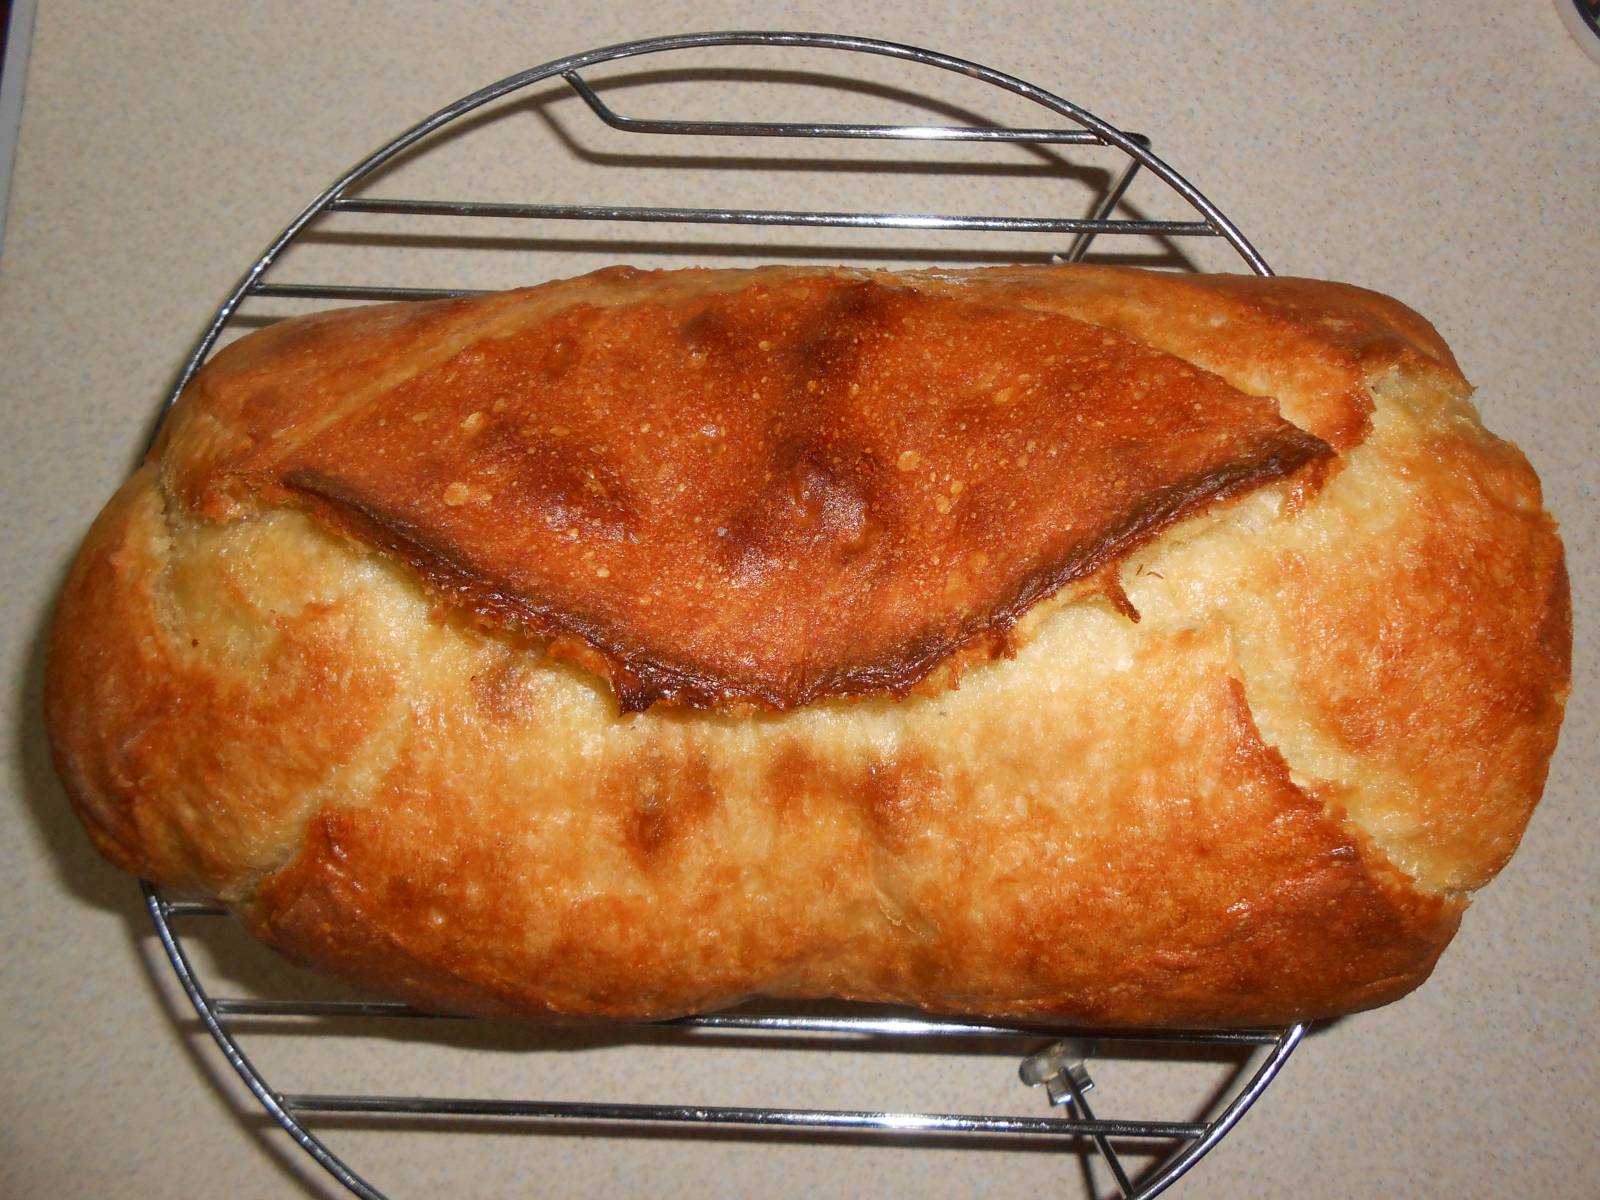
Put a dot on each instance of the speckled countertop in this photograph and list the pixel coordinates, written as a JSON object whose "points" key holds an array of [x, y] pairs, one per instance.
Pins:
{"points": [[1449, 154]]}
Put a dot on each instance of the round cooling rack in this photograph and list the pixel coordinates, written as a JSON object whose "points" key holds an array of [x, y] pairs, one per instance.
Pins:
{"points": [[417, 220]]}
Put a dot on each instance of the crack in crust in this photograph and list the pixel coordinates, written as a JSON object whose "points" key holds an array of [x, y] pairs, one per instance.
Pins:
{"points": [[813, 485]]}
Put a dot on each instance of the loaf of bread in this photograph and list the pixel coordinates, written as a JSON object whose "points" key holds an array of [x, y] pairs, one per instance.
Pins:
{"points": [[1124, 647]]}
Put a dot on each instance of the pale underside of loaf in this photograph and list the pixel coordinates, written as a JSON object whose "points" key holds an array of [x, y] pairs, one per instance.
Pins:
{"points": [[1266, 798]]}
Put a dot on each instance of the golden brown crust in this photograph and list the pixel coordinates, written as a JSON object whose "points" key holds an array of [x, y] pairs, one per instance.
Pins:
{"points": [[272, 677], [1234, 898], [153, 715], [1312, 345], [1449, 673]]}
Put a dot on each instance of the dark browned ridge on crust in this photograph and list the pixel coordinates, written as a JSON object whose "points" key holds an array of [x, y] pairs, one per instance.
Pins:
{"points": [[640, 679], [815, 487]]}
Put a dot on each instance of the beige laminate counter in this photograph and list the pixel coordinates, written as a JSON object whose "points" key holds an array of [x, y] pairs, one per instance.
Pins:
{"points": [[1449, 154]]}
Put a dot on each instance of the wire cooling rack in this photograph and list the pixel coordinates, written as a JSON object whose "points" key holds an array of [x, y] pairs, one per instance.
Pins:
{"points": [[1045, 161]]}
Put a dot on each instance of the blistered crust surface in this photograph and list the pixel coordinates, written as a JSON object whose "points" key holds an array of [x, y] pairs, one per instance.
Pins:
{"points": [[1264, 800]]}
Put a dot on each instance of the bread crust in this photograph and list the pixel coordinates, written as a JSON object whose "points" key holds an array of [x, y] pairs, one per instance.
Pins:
{"points": [[1234, 752]]}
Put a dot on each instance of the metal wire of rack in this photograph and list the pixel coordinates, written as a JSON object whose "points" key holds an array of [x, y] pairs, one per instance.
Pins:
{"points": [[1056, 1060]]}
